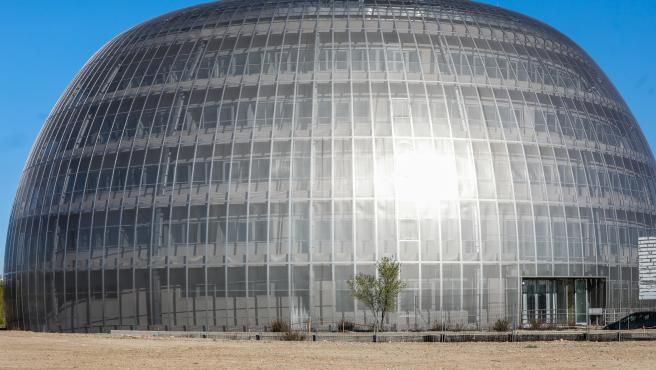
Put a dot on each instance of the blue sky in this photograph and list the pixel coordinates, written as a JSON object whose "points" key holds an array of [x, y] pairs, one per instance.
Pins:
{"points": [[46, 43]]}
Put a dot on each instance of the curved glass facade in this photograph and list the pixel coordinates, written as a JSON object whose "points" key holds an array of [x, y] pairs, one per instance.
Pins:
{"points": [[229, 164]]}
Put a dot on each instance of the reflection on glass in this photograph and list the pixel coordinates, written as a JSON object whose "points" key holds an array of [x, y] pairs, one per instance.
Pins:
{"points": [[237, 162]]}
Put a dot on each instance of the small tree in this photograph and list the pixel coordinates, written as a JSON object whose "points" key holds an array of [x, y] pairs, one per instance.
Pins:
{"points": [[379, 293]]}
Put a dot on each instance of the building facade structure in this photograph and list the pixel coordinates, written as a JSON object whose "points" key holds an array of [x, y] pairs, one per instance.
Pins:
{"points": [[237, 162]]}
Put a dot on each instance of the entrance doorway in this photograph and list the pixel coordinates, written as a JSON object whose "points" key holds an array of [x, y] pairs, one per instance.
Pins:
{"points": [[563, 301]]}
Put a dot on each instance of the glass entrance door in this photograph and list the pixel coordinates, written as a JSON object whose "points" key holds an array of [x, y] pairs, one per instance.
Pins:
{"points": [[581, 301], [539, 301], [561, 300]]}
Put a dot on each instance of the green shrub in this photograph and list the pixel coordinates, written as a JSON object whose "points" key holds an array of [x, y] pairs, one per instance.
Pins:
{"points": [[380, 293], [501, 325]]}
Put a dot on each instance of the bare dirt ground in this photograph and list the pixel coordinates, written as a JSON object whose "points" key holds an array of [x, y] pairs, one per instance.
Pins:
{"points": [[38, 350]]}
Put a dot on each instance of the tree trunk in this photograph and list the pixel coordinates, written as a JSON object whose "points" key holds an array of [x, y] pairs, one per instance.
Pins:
{"points": [[382, 320]]}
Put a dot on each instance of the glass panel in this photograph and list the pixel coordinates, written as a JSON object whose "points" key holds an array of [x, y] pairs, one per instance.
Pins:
{"points": [[581, 302]]}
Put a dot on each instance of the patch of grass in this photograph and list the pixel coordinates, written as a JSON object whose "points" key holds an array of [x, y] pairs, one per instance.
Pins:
{"points": [[531, 346]]}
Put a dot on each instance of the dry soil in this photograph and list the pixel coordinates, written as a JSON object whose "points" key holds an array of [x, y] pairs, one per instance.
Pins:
{"points": [[39, 350]]}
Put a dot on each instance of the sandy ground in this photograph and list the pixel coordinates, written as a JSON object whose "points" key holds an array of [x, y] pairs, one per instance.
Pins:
{"points": [[37, 350]]}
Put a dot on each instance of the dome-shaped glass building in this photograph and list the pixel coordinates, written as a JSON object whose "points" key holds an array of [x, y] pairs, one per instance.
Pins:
{"points": [[234, 163]]}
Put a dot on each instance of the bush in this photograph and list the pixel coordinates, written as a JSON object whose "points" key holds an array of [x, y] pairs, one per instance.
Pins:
{"points": [[455, 327], [438, 326], [292, 336], [541, 325], [345, 325], [549, 326], [501, 325], [279, 326], [535, 324], [364, 328]]}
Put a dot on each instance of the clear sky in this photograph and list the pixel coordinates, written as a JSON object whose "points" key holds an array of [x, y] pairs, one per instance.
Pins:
{"points": [[45, 43]]}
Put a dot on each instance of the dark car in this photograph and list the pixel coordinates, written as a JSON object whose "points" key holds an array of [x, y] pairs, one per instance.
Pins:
{"points": [[636, 320]]}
